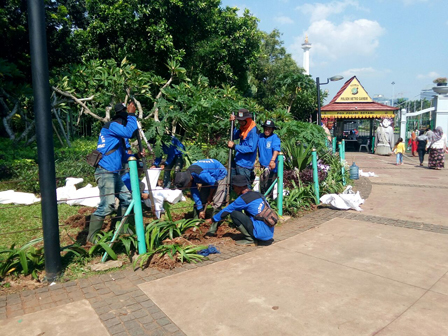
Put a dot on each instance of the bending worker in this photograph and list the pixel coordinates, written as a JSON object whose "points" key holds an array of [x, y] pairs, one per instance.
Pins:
{"points": [[174, 159], [207, 181], [252, 203], [111, 144], [268, 149], [246, 150]]}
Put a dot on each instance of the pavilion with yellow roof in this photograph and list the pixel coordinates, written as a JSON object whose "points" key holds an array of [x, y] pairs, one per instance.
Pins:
{"points": [[353, 111]]}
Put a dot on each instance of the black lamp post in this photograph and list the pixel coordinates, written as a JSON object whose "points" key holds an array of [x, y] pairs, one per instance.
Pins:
{"points": [[318, 84]]}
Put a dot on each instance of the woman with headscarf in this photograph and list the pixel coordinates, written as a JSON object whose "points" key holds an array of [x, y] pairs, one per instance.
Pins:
{"points": [[437, 147], [413, 143], [422, 139]]}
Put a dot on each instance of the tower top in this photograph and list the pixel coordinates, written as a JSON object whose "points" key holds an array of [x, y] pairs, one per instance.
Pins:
{"points": [[306, 45]]}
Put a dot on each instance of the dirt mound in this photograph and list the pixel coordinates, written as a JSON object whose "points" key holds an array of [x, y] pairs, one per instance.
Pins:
{"points": [[164, 262], [178, 241], [77, 221], [86, 211]]}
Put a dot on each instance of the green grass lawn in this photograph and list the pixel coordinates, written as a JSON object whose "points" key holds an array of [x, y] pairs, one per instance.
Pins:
{"points": [[22, 220], [20, 224]]}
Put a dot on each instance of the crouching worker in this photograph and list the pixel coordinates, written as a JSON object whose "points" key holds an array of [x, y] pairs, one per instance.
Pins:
{"points": [[258, 220], [207, 182], [111, 144]]}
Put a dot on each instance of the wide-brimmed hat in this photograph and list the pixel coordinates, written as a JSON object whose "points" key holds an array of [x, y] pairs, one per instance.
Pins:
{"points": [[240, 181], [182, 179], [119, 107], [243, 114], [269, 123]]}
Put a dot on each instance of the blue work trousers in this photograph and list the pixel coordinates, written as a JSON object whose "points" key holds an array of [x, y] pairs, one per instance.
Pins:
{"points": [[111, 186], [249, 173]]}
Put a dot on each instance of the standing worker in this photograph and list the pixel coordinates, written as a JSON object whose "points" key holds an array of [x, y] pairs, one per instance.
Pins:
{"points": [[174, 159], [112, 146], [246, 150], [268, 149], [207, 181], [249, 223]]}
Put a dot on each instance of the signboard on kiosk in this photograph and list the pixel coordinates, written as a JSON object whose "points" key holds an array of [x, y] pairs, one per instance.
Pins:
{"points": [[354, 93]]}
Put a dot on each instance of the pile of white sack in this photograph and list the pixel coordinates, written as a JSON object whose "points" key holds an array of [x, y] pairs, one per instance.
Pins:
{"points": [[345, 201], [90, 196], [367, 174]]}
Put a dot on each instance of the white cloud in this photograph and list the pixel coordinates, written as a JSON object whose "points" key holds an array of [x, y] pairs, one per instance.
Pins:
{"points": [[283, 20], [320, 11], [429, 75], [365, 72], [331, 42]]}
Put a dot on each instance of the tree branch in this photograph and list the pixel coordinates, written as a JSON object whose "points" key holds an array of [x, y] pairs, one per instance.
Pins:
{"points": [[155, 109], [79, 102]]}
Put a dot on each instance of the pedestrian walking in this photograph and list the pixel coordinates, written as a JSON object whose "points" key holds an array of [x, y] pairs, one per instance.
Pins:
{"points": [[422, 140], [412, 143], [437, 147], [399, 150]]}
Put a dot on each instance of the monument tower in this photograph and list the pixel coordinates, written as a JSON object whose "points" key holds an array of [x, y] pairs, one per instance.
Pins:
{"points": [[306, 46]]}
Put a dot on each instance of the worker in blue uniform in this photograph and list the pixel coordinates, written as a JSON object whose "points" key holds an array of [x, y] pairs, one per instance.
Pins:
{"points": [[246, 150], [207, 181], [252, 203], [268, 149], [174, 158], [112, 145]]}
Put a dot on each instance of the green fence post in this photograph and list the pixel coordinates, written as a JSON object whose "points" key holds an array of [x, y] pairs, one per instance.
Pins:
{"points": [[315, 175], [373, 145], [271, 187], [280, 184], [118, 229], [136, 196], [334, 145], [341, 150]]}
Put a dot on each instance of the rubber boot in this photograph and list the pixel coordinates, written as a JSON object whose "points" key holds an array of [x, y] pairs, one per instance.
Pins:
{"points": [[215, 225], [248, 239], [195, 213], [95, 225]]}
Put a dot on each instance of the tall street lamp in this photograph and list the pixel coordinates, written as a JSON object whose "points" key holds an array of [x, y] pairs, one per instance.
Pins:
{"points": [[318, 84], [393, 94]]}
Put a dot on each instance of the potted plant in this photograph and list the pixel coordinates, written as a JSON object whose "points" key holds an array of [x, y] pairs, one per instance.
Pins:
{"points": [[441, 81]]}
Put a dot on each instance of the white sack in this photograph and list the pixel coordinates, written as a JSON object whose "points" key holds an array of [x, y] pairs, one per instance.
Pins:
{"points": [[87, 196], [367, 174], [343, 201], [11, 196], [153, 174]]}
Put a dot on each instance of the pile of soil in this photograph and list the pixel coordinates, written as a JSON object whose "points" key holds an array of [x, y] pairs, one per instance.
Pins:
{"points": [[164, 262]]}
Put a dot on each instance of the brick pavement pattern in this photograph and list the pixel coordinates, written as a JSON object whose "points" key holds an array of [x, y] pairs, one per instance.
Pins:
{"points": [[125, 310]]}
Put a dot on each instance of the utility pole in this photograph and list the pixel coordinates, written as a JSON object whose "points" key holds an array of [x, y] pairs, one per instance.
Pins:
{"points": [[44, 137]]}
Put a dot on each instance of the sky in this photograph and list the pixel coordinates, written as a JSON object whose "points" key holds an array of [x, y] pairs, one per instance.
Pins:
{"points": [[381, 42]]}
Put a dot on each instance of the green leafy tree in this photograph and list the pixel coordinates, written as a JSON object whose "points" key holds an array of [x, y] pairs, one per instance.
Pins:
{"points": [[210, 40], [280, 82]]}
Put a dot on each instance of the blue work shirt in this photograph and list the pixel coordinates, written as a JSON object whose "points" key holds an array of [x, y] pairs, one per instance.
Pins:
{"points": [[172, 151], [206, 172], [113, 135], [252, 203], [246, 150], [266, 148]]}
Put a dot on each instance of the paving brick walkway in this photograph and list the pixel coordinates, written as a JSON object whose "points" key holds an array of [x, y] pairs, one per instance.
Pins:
{"points": [[125, 310]]}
